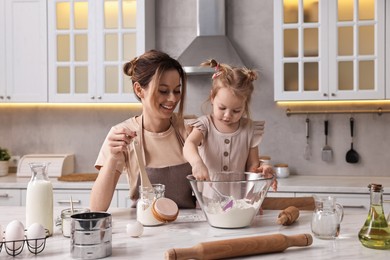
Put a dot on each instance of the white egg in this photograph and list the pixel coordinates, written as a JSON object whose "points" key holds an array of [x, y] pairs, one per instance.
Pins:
{"points": [[135, 229], [14, 232], [36, 234]]}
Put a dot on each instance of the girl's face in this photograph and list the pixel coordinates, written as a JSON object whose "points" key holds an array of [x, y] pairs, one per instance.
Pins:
{"points": [[162, 103], [227, 108]]}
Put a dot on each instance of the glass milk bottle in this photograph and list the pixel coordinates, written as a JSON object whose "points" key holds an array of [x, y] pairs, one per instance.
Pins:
{"points": [[39, 198], [375, 232], [145, 203]]}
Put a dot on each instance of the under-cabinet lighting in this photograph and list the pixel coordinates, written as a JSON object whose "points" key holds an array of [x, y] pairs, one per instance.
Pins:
{"points": [[73, 105]]}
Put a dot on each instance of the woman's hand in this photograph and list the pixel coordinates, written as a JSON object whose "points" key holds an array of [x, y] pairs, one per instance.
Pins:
{"points": [[200, 171], [118, 139]]}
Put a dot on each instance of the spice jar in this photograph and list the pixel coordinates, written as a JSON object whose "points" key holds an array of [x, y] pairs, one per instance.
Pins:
{"points": [[66, 219], [265, 160]]}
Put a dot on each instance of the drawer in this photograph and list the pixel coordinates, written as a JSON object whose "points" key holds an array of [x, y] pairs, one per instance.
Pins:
{"points": [[345, 199], [277, 194], [10, 197], [80, 198]]}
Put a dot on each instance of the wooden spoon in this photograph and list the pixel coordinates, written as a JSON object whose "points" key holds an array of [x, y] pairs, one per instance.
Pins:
{"points": [[352, 156], [145, 182]]}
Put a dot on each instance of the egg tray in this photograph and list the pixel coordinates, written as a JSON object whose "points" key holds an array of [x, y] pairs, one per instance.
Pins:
{"points": [[35, 246]]}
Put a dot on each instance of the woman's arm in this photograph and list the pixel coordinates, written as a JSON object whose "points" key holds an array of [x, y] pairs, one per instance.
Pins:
{"points": [[191, 153], [104, 187]]}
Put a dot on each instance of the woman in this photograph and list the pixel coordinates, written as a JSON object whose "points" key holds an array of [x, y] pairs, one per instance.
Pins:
{"points": [[159, 82]]}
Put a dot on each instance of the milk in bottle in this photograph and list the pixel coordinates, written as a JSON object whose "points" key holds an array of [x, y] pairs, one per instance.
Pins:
{"points": [[39, 198]]}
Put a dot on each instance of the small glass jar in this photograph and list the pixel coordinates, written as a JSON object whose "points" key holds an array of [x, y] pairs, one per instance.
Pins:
{"points": [[265, 160], [145, 203], [66, 219]]}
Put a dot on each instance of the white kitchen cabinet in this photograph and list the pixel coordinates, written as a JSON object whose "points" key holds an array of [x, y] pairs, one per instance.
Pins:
{"points": [[329, 49], [124, 200], [89, 41], [279, 194], [10, 197], [61, 198], [345, 199], [23, 51]]}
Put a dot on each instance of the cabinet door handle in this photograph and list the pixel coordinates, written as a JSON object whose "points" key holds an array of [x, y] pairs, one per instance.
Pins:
{"points": [[1, 97], [325, 95], [354, 206], [68, 202], [99, 97], [5, 195], [92, 97], [333, 94]]}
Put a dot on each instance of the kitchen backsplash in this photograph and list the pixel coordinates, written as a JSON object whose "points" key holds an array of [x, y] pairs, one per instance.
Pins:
{"points": [[250, 29]]}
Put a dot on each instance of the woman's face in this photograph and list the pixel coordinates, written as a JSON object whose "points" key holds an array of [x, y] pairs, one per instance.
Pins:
{"points": [[162, 103]]}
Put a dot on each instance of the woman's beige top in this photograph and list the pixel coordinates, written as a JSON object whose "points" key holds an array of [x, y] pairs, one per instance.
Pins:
{"points": [[227, 151], [160, 149]]}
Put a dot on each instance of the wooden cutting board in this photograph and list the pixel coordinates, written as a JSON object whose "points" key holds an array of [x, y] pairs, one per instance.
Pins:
{"points": [[76, 177]]}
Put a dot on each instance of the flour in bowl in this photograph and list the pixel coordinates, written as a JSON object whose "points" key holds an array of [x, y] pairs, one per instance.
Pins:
{"points": [[240, 215]]}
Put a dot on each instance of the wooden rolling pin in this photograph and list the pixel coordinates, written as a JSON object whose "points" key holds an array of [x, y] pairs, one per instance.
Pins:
{"points": [[288, 216], [239, 247], [302, 203]]}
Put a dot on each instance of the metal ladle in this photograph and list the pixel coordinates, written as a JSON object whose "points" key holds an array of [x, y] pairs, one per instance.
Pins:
{"points": [[352, 156]]}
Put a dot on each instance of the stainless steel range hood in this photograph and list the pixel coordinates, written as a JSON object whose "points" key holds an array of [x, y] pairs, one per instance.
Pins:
{"points": [[211, 41]]}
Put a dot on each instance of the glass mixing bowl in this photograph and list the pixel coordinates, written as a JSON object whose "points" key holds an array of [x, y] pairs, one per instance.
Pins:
{"points": [[231, 200]]}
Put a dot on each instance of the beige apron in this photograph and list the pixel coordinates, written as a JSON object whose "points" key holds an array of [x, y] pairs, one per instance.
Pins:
{"points": [[177, 187]]}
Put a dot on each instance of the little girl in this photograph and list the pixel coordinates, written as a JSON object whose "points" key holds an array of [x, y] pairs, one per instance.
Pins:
{"points": [[226, 140]]}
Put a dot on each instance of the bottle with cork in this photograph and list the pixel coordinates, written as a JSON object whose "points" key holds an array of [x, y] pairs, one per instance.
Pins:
{"points": [[375, 232]]}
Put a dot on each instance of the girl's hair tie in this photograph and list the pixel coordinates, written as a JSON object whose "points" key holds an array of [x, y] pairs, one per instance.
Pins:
{"points": [[216, 74]]}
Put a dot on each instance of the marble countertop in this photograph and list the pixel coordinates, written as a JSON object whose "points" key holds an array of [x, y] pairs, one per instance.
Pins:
{"points": [[294, 183], [191, 228]]}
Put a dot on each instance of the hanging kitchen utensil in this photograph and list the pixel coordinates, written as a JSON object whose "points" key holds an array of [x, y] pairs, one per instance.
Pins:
{"points": [[352, 156], [307, 152], [327, 152]]}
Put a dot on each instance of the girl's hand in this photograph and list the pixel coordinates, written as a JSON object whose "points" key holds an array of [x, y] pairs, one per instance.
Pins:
{"points": [[267, 171], [200, 171], [118, 139]]}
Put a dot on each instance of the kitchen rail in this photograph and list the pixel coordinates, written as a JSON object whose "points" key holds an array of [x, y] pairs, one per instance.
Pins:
{"points": [[378, 111]]}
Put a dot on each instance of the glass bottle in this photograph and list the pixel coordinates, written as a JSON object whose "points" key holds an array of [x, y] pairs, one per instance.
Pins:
{"points": [[145, 204], [39, 197], [375, 232]]}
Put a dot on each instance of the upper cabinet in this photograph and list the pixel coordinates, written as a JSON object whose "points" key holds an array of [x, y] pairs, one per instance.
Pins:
{"points": [[89, 41], [23, 51], [329, 49]]}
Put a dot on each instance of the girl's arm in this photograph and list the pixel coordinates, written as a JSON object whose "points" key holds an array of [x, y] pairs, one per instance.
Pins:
{"points": [[191, 153], [253, 165], [253, 159]]}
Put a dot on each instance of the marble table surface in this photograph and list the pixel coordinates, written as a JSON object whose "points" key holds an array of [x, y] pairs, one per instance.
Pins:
{"points": [[191, 228]]}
